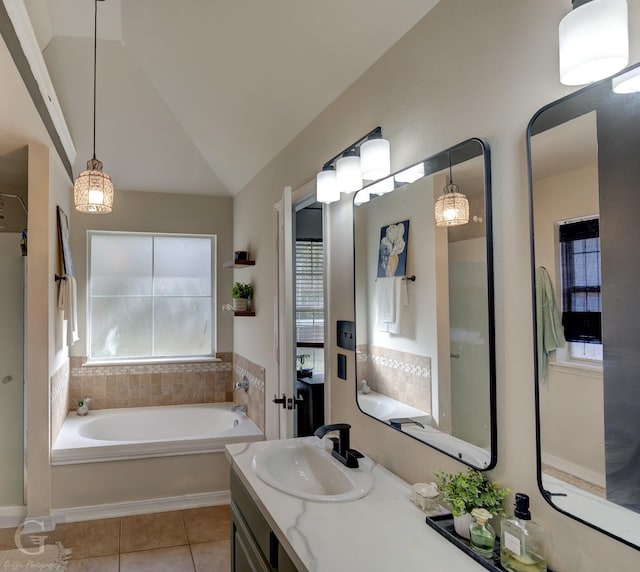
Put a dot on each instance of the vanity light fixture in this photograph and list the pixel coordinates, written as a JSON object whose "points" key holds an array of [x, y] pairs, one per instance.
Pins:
{"points": [[362, 196], [93, 189], [368, 158], [382, 187], [349, 176], [628, 82], [452, 207], [594, 41]]}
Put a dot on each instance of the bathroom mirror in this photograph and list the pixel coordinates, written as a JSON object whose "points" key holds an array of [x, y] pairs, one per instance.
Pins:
{"points": [[584, 173], [424, 306]]}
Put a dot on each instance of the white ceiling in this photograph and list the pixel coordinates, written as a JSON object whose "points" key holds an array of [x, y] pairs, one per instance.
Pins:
{"points": [[197, 96]]}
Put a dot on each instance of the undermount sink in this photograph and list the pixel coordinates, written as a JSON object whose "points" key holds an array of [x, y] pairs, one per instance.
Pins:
{"points": [[306, 470]]}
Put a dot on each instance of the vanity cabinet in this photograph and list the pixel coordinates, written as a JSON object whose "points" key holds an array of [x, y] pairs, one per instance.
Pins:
{"points": [[254, 546]]}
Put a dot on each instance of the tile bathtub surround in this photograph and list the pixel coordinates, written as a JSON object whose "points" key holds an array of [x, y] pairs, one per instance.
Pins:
{"points": [[193, 540], [255, 397], [401, 375], [142, 385], [59, 398]]}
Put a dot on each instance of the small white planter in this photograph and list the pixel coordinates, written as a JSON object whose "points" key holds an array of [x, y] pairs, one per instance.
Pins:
{"points": [[461, 525]]}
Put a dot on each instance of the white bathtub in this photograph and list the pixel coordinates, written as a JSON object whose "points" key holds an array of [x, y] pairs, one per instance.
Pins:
{"points": [[143, 432]]}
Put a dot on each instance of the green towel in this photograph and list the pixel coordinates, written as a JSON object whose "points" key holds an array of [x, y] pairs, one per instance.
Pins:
{"points": [[550, 334]]}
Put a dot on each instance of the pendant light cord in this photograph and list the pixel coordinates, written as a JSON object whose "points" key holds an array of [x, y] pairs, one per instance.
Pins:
{"points": [[95, 51], [450, 170]]}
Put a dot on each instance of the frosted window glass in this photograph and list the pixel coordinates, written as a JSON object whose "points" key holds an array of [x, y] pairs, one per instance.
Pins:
{"points": [[121, 265], [121, 327], [182, 266], [182, 326]]}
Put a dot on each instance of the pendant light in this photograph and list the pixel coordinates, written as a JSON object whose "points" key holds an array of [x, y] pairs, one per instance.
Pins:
{"points": [[594, 41], [452, 207], [93, 189]]}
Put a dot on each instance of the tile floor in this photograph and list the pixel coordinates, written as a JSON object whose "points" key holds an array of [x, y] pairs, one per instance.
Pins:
{"points": [[193, 540]]}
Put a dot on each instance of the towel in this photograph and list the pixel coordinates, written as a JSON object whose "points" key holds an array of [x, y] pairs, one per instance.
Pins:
{"points": [[68, 304], [550, 334], [391, 297]]}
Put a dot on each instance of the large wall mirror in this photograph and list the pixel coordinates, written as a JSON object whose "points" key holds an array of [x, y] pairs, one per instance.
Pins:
{"points": [[584, 168], [424, 306]]}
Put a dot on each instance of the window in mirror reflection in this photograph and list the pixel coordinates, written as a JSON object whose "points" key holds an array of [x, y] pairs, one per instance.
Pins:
{"points": [[581, 300]]}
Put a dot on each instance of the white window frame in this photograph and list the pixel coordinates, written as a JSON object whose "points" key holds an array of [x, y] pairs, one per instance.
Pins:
{"points": [[153, 359]]}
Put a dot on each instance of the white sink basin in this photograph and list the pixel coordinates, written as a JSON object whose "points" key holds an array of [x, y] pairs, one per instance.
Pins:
{"points": [[306, 470]]}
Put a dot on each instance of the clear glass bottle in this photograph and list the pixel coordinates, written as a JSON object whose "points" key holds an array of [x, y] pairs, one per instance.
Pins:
{"points": [[522, 540], [482, 535]]}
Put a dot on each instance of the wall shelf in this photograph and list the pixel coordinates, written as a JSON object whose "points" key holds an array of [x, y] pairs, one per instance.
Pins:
{"points": [[239, 263], [247, 313]]}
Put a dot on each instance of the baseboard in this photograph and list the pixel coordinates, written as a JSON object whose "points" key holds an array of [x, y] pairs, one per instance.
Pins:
{"points": [[146, 506], [579, 471], [12, 516]]}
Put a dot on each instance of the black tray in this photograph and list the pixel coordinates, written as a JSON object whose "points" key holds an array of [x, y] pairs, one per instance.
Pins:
{"points": [[443, 524]]}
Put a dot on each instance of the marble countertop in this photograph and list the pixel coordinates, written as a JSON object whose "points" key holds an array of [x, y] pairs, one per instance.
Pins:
{"points": [[380, 532]]}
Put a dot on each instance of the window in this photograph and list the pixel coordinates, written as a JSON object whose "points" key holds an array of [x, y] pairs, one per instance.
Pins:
{"points": [[581, 299], [309, 293], [150, 295]]}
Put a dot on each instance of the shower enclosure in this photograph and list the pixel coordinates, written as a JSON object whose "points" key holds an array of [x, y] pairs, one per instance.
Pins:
{"points": [[12, 280]]}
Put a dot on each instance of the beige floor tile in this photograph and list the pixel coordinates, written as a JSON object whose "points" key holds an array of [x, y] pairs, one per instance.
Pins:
{"points": [[212, 556], [147, 531], [207, 523], [109, 563], [90, 538], [176, 559]]}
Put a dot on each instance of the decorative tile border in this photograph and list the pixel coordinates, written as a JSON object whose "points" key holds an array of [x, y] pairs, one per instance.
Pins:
{"points": [[401, 375]]}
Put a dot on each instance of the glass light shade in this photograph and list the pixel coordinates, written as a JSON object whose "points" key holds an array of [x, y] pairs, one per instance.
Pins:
{"points": [[411, 174], [375, 159], [628, 82], [348, 174], [594, 41], [93, 190], [327, 186], [452, 207], [362, 197], [382, 187]]}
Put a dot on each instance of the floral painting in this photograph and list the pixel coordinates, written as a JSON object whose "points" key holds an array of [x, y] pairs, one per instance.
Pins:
{"points": [[392, 258]]}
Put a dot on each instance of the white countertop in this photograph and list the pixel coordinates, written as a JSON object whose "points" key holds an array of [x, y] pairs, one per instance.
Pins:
{"points": [[380, 532]]}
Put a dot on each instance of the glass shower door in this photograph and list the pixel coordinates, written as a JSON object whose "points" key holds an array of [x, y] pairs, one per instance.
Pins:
{"points": [[11, 371]]}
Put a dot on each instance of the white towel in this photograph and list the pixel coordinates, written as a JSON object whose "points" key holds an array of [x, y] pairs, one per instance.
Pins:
{"points": [[385, 301], [68, 304], [393, 293]]}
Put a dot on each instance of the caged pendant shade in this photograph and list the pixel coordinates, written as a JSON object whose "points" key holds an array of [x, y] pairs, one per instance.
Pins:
{"points": [[93, 189], [452, 207]]}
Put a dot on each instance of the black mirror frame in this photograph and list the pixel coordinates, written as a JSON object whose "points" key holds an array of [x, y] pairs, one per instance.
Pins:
{"points": [[433, 164]]}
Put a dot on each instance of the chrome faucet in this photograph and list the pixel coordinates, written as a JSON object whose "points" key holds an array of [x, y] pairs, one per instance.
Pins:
{"points": [[341, 450], [244, 384], [239, 408], [398, 422]]}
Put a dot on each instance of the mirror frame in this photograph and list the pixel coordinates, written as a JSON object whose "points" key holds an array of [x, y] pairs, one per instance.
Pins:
{"points": [[434, 164], [529, 133]]}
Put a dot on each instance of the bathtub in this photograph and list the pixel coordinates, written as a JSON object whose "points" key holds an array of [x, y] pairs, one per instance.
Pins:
{"points": [[143, 432]]}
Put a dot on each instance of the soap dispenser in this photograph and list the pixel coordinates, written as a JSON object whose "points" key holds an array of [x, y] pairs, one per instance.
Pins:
{"points": [[482, 535], [522, 540]]}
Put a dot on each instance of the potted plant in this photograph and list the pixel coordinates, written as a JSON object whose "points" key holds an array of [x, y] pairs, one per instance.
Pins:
{"points": [[466, 490], [241, 294]]}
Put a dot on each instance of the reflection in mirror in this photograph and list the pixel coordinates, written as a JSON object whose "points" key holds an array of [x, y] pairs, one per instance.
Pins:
{"points": [[584, 173], [424, 307]]}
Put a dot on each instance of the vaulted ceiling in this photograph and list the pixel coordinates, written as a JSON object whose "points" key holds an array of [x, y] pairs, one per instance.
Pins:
{"points": [[197, 96]]}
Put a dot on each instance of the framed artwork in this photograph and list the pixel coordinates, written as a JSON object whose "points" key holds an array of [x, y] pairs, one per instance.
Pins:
{"points": [[392, 257], [65, 242]]}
